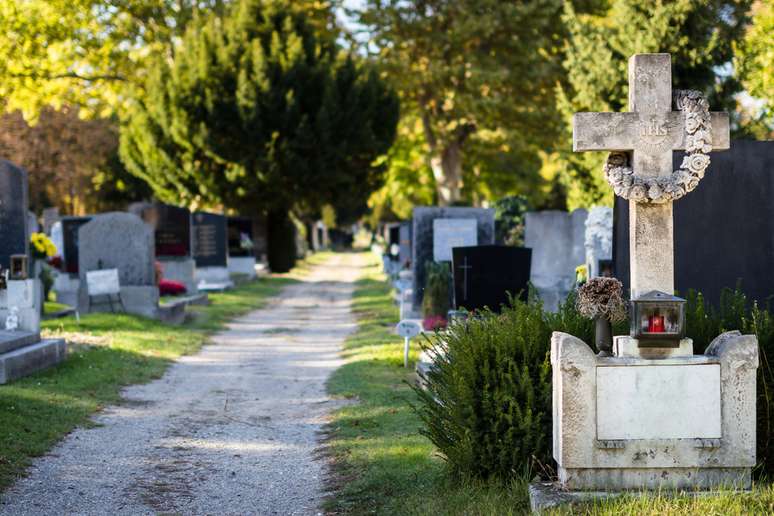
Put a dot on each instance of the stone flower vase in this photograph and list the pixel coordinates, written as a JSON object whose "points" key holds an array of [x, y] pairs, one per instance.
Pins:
{"points": [[603, 336]]}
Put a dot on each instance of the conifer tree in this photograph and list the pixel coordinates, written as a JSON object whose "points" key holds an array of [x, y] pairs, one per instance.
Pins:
{"points": [[259, 112]]}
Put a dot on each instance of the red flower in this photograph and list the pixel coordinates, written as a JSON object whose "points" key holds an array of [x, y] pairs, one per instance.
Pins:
{"points": [[56, 262], [434, 322], [171, 288]]}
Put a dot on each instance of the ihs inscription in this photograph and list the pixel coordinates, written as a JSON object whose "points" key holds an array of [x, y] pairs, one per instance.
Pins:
{"points": [[653, 132]]}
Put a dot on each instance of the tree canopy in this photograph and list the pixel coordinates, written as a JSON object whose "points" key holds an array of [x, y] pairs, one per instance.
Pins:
{"points": [[257, 111]]}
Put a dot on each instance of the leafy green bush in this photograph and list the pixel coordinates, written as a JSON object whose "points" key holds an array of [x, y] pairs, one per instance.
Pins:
{"points": [[735, 312], [487, 406], [437, 297], [509, 219]]}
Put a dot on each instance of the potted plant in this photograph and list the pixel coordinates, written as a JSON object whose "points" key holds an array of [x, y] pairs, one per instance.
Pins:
{"points": [[601, 299]]}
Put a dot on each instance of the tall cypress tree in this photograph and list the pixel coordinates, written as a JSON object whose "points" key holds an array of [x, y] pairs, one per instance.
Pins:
{"points": [[258, 112]]}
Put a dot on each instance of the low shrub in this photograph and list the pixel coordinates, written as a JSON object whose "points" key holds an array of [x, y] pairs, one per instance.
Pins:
{"points": [[437, 295], [487, 406]]}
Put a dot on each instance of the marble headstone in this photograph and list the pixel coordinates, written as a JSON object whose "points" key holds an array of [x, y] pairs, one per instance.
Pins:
{"points": [[557, 242], [422, 234], [171, 226], [451, 233], [117, 241], [210, 239], [13, 212], [599, 239]]}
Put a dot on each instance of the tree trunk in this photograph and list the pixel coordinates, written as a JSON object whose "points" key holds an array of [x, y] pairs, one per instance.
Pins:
{"points": [[447, 170], [281, 240]]}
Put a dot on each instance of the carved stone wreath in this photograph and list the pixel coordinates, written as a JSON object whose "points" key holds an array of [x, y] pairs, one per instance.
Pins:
{"points": [[698, 143]]}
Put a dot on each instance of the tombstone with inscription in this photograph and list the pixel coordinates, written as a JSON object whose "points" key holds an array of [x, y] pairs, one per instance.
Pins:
{"points": [[70, 228], [557, 242], [241, 247], [654, 415], [210, 250], [485, 276], [426, 246], [172, 239], [22, 351]]}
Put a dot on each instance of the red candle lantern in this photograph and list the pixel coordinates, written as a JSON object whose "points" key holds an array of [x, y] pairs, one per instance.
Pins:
{"points": [[658, 319]]}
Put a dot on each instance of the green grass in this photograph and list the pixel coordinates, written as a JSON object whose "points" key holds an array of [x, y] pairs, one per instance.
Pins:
{"points": [[381, 462], [382, 465], [51, 307], [109, 352]]}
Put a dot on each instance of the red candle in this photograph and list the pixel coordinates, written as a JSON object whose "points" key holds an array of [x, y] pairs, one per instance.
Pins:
{"points": [[656, 324]]}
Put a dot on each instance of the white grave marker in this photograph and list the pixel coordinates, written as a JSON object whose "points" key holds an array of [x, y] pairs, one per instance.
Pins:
{"points": [[450, 233]]}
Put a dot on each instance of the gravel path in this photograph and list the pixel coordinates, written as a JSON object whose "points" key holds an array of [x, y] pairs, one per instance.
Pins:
{"points": [[231, 430]]}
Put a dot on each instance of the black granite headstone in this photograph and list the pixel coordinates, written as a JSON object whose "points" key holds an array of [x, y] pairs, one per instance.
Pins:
{"points": [[239, 228], [724, 230], [210, 239], [13, 212], [172, 229], [485, 275], [70, 227]]}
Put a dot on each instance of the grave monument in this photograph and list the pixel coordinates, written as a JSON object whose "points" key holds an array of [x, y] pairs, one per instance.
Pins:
{"points": [[485, 275], [22, 351], [654, 415], [241, 246], [210, 251]]}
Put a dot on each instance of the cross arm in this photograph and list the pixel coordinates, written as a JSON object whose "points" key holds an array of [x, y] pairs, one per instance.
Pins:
{"points": [[604, 131]]}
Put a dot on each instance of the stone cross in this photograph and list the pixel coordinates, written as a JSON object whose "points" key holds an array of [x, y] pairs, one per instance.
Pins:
{"points": [[650, 131]]}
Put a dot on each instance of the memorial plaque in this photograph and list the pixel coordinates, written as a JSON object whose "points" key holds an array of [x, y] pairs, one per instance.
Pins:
{"points": [[485, 275], [450, 233], [723, 230], [172, 229], [240, 236], [70, 227], [103, 282], [13, 212], [210, 239]]}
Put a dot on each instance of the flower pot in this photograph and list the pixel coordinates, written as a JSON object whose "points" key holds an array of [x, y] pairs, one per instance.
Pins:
{"points": [[603, 336]]}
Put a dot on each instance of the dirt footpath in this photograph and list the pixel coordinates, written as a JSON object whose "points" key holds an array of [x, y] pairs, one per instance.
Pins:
{"points": [[230, 430]]}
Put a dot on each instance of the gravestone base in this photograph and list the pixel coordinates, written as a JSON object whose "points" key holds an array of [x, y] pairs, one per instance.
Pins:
{"points": [[544, 496], [23, 353], [681, 422], [213, 279], [182, 270], [242, 265]]}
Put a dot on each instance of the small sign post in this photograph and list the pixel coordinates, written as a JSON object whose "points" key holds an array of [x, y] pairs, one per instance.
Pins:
{"points": [[407, 329]]}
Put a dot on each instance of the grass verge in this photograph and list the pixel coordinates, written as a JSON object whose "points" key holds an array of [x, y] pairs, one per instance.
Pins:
{"points": [[107, 352], [382, 465]]}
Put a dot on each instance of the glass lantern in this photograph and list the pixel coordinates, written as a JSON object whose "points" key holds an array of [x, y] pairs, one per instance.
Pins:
{"points": [[658, 320], [19, 267]]}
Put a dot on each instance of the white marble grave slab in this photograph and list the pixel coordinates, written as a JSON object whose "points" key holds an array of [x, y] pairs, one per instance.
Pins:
{"points": [[450, 233], [658, 402]]}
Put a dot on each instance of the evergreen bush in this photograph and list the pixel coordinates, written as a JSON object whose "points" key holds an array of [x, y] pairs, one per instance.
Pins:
{"points": [[437, 297], [487, 406]]}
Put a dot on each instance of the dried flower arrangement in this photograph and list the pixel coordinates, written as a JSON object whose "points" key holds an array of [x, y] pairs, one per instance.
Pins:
{"points": [[602, 297]]}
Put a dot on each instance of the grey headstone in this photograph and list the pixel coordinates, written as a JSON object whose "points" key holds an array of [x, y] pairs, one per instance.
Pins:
{"points": [[599, 238], [423, 238], [50, 217], [405, 243], [557, 242], [32, 224], [117, 241], [13, 212], [451, 233]]}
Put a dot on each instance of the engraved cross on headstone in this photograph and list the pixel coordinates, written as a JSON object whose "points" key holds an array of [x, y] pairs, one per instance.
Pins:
{"points": [[650, 131], [465, 268]]}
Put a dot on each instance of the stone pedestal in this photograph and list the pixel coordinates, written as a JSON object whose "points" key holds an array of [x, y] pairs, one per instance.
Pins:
{"points": [[242, 265], [25, 295], [673, 422], [66, 287], [209, 279], [182, 270]]}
